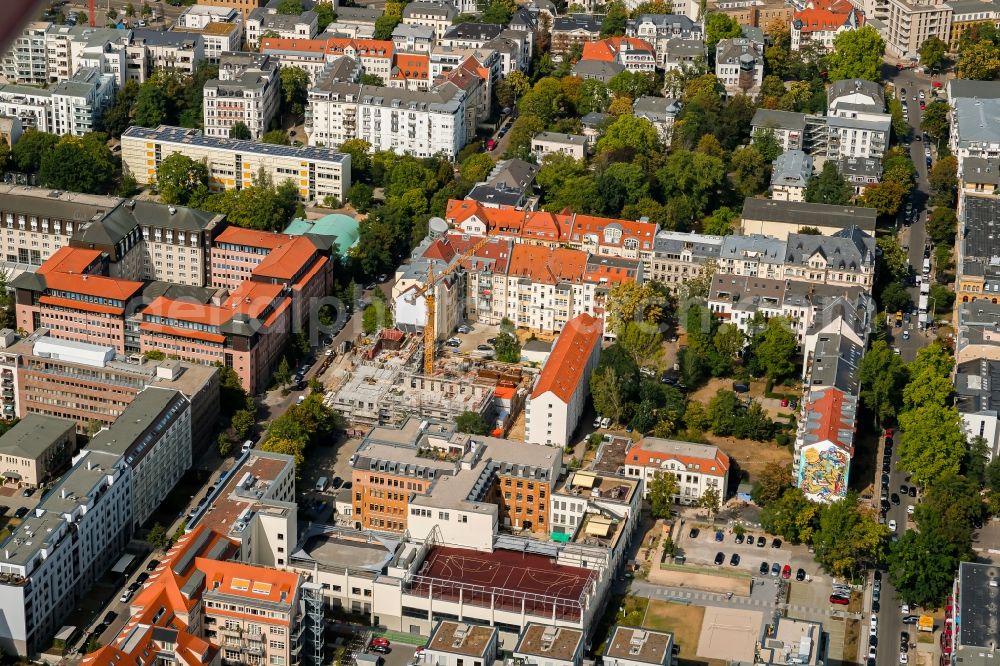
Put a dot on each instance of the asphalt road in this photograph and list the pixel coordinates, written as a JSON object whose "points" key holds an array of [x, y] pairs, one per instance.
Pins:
{"points": [[166, 12]]}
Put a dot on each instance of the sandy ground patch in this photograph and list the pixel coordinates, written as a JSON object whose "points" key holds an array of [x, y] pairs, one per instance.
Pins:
{"points": [[683, 621], [729, 634], [738, 583]]}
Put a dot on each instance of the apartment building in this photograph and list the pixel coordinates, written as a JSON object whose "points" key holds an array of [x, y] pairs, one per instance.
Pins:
{"points": [[424, 477], [788, 128], [25, 61], [469, 35], [541, 645], [739, 65], [845, 259], [753, 13], [970, 627], [630, 646], [632, 53], [977, 400], [568, 31], [91, 384], [220, 32], [418, 123], [151, 50], [790, 175], [856, 120], [316, 56], [68, 48], [766, 217], [60, 549], [966, 14], [907, 25], [37, 449], [971, 102], [661, 112], [599, 236], [697, 467], [558, 399], [663, 32], [227, 612], [430, 14], [319, 172], [153, 439], [453, 643], [247, 91], [73, 106], [820, 22], [412, 39], [549, 143], [742, 300], [286, 26], [860, 172], [824, 444], [679, 257], [243, 6]]}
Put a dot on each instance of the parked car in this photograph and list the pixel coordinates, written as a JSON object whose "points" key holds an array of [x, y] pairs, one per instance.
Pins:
{"points": [[28, 492], [776, 543], [453, 342], [739, 538], [694, 533], [380, 640], [910, 619], [126, 596], [838, 600], [606, 422], [21, 512], [764, 568], [775, 569], [142, 577], [463, 329], [109, 617], [152, 564], [718, 535], [800, 575], [720, 557], [735, 559], [786, 572], [761, 541]]}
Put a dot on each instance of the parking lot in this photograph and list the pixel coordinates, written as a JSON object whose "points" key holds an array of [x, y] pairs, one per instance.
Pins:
{"points": [[702, 550], [478, 335]]}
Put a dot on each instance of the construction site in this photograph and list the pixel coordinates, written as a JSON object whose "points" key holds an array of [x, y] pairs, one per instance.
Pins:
{"points": [[383, 381]]}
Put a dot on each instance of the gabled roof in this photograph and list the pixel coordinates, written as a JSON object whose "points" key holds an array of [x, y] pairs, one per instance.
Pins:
{"points": [[70, 260], [565, 367], [702, 458]]}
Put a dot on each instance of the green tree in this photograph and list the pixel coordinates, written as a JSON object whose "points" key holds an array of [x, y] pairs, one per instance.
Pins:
{"points": [[900, 126], [979, 61], [294, 89], [642, 341], [384, 25], [792, 516], [632, 85], [749, 171], [729, 340], [898, 167], [371, 80], [662, 491], [243, 422], [932, 52], [360, 197], [771, 483], [476, 167], [935, 356], [723, 410], [33, 145], [719, 26], [695, 178], [290, 7], [507, 348], [857, 54], [157, 537], [649, 302], [622, 184], [78, 164], [283, 373], [325, 14], [773, 350], [609, 390], [376, 316], [942, 226], [181, 180], [239, 130], [471, 423], [289, 447], [720, 222], [631, 132], [498, 12], [848, 539], [943, 179], [932, 442], [922, 568], [278, 136], [130, 10], [934, 119], [152, 105], [710, 500], [893, 256], [522, 131], [828, 186], [767, 144], [614, 19], [925, 388], [224, 445], [886, 197], [895, 297]]}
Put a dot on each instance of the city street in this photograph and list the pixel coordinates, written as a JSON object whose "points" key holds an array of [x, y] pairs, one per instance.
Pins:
{"points": [[164, 11]]}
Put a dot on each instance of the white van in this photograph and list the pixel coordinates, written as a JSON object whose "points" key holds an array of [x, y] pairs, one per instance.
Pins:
{"points": [[247, 445], [321, 484]]}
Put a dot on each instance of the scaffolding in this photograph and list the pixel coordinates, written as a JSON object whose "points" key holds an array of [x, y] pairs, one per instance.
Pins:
{"points": [[312, 595]]}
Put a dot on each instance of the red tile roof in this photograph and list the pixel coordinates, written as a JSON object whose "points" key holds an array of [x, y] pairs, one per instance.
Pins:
{"points": [[198, 313], [547, 265], [412, 66], [565, 366], [286, 260], [251, 237], [73, 304], [334, 46], [608, 50], [92, 285], [711, 460], [829, 407], [70, 260]]}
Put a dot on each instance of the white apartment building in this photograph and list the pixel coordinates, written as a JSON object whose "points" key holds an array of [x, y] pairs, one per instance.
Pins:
{"points": [[697, 467], [321, 172], [221, 28], [408, 122], [857, 125], [151, 50], [314, 56], [71, 107], [430, 14], [559, 396], [267, 20], [200, 16], [664, 30], [153, 438], [61, 548], [68, 48], [970, 136], [547, 143], [908, 25], [739, 65], [248, 90], [25, 60], [413, 38]]}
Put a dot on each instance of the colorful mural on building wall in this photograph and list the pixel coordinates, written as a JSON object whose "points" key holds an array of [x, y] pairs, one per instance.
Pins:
{"points": [[823, 470]]}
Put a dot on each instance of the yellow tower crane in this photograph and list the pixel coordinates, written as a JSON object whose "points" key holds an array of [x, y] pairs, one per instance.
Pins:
{"points": [[427, 291]]}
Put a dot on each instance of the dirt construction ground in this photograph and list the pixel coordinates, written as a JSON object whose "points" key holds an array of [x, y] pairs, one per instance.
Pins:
{"points": [[751, 456], [729, 634], [684, 622], [684, 577]]}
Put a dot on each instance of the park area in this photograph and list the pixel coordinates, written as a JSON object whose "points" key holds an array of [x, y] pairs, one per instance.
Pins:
{"points": [[682, 620]]}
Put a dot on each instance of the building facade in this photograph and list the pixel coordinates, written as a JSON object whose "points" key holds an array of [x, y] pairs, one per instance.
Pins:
{"points": [[247, 91]]}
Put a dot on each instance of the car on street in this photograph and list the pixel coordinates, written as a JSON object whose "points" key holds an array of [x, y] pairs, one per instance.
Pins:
{"points": [[775, 569], [720, 557], [892, 525], [904, 641], [109, 617], [453, 342], [28, 492], [463, 329], [903, 658], [764, 568], [151, 566], [606, 422], [761, 541], [142, 577], [894, 498], [910, 619], [735, 560], [800, 575], [786, 572], [873, 641], [21, 512], [839, 600], [380, 640], [776, 543], [905, 609], [913, 491], [126, 596], [484, 347], [693, 534]]}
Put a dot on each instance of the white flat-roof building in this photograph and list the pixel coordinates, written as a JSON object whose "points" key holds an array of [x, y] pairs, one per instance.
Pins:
{"points": [[25, 61], [221, 28], [321, 172], [266, 20], [73, 106], [546, 143]]}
